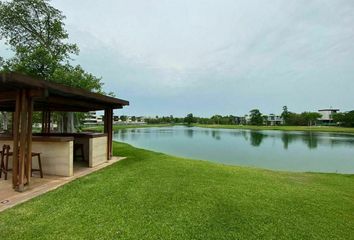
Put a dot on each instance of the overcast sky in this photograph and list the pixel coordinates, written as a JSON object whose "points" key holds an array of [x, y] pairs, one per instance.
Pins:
{"points": [[217, 56]]}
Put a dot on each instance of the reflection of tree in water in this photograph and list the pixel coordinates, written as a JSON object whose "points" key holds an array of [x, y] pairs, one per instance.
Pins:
{"points": [[311, 139], [287, 139], [189, 133], [244, 134], [256, 138], [123, 134], [215, 134]]}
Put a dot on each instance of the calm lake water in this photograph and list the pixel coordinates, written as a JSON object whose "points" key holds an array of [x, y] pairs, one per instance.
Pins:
{"points": [[277, 150]]}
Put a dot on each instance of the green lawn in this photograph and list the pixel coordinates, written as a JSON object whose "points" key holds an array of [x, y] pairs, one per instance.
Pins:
{"points": [[283, 128], [155, 196]]}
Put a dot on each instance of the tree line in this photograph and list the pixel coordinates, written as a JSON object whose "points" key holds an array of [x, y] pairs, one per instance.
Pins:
{"points": [[255, 117]]}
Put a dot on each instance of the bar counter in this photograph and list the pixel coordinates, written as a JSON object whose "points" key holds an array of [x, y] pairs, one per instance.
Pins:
{"points": [[57, 150]]}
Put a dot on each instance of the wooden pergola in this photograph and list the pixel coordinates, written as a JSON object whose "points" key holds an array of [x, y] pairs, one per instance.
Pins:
{"points": [[23, 95]]}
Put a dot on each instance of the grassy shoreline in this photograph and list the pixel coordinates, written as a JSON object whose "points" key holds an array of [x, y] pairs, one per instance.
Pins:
{"points": [[152, 195], [118, 127], [281, 128], [246, 127]]}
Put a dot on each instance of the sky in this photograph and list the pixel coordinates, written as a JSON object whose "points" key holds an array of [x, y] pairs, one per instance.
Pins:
{"points": [[206, 57]]}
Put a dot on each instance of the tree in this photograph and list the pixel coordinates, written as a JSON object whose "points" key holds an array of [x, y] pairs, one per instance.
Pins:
{"points": [[189, 119], [285, 115], [256, 117], [35, 32], [310, 117], [344, 119], [123, 118]]}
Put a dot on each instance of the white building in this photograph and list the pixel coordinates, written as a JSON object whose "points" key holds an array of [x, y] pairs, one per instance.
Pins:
{"points": [[274, 120], [327, 115], [93, 119]]}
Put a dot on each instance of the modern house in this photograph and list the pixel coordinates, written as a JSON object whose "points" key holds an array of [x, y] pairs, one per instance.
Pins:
{"points": [[21, 96], [93, 119], [274, 120], [327, 116]]}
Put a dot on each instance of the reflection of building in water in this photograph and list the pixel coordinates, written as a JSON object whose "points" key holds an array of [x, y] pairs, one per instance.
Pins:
{"points": [[189, 133], [327, 116], [215, 134]]}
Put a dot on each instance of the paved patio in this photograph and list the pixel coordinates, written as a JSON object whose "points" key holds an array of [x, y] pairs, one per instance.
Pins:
{"points": [[39, 186]]}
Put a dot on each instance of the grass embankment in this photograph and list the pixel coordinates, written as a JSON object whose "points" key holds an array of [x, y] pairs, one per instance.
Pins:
{"points": [[282, 128], [155, 196], [250, 127], [118, 127]]}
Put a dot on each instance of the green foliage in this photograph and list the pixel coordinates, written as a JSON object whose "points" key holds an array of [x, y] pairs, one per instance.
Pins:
{"points": [[285, 115], [189, 119], [35, 31], [310, 117], [344, 119], [77, 77], [256, 117], [123, 118]]}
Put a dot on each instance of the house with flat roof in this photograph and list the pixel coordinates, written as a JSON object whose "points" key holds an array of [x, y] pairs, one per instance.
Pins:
{"points": [[327, 116], [274, 120]]}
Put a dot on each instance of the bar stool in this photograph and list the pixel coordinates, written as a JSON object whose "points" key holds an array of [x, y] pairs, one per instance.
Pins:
{"points": [[40, 170], [4, 166], [5, 161]]}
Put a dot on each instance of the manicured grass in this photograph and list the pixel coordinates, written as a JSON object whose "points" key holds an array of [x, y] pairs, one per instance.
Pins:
{"points": [[155, 196], [118, 127], [282, 128]]}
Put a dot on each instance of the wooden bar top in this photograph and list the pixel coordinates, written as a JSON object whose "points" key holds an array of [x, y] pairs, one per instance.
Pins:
{"points": [[74, 135]]}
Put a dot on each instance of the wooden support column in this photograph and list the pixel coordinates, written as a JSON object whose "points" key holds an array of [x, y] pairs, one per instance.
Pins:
{"points": [[16, 129], [108, 129], [29, 140], [23, 140], [46, 115], [22, 145]]}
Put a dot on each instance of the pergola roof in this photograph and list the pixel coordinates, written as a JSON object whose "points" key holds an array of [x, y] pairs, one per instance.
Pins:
{"points": [[48, 96]]}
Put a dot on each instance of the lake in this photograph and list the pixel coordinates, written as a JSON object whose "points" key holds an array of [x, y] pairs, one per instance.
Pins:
{"points": [[276, 150]]}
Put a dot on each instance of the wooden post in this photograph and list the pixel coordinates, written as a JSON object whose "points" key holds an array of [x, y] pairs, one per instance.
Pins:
{"points": [[108, 129], [43, 122], [23, 140], [46, 121], [16, 128], [29, 140]]}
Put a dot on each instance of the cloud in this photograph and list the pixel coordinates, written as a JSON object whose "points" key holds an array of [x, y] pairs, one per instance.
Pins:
{"points": [[226, 56]]}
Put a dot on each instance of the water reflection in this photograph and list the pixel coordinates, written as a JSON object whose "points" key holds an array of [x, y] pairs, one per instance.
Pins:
{"points": [[298, 151], [256, 138], [189, 132], [215, 134]]}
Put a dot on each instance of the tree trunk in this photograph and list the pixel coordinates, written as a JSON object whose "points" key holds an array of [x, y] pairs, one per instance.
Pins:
{"points": [[4, 121], [68, 122]]}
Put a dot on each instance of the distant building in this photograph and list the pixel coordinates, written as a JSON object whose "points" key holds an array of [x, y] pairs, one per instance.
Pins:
{"points": [[327, 116], [93, 119], [274, 120]]}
